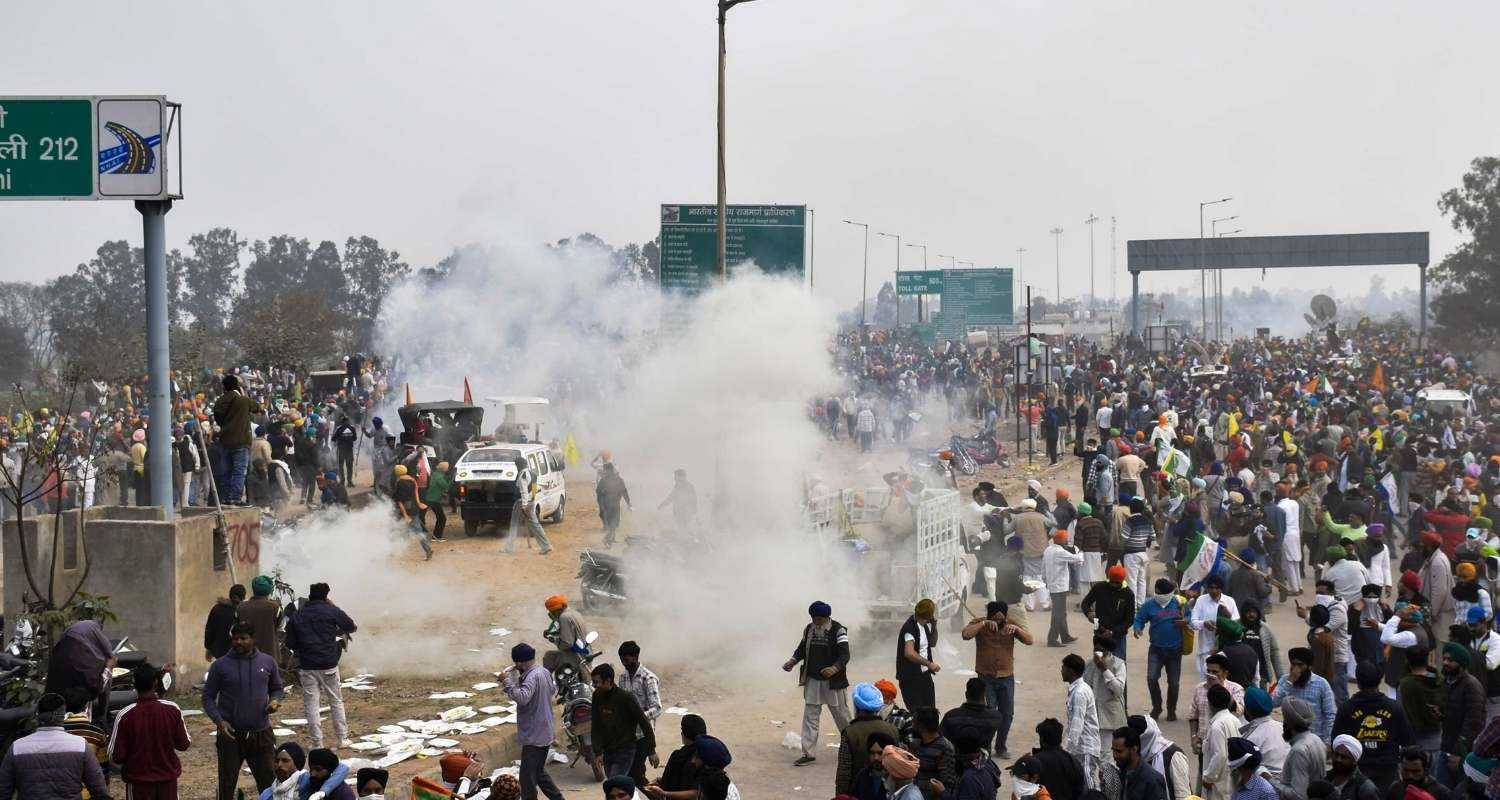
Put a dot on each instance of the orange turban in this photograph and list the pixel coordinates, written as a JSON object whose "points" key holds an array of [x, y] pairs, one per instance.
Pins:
{"points": [[1061, 537], [453, 766], [1464, 571], [1116, 574], [1062, 494], [887, 689], [556, 603]]}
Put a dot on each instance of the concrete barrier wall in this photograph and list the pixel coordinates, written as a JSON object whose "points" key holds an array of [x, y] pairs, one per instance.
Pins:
{"points": [[160, 577]]}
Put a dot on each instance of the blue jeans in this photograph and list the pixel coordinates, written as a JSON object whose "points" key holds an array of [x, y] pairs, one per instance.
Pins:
{"points": [[1000, 693], [239, 462]]}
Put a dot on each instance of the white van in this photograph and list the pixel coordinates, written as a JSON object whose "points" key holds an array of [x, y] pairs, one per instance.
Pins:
{"points": [[485, 477], [1439, 397]]}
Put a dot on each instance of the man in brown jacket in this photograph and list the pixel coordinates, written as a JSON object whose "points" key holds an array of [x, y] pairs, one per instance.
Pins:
{"points": [[994, 639], [1031, 527]]}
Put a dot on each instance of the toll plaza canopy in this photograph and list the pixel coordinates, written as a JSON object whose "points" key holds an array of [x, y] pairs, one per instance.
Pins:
{"points": [[1274, 252]]}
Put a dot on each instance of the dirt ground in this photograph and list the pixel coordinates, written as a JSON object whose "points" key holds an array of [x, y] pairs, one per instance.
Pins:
{"points": [[753, 715]]}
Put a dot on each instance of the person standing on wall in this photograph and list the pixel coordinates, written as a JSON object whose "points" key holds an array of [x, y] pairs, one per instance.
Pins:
{"points": [[232, 411]]}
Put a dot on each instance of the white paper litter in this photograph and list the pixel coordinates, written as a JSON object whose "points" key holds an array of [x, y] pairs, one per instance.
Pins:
{"points": [[492, 709], [965, 673], [778, 723], [499, 631], [457, 713], [484, 686], [490, 722], [364, 746], [399, 753], [471, 730], [442, 743], [390, 729], [280, 732], [678, 710], [430, 752], [792, 740], [561, 758], [450, 695], [363, 687], [191, 712], [294, 722]]}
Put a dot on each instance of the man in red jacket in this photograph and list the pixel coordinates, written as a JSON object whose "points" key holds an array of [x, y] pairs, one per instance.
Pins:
{"points": [[1451, 524], [146, 739]]}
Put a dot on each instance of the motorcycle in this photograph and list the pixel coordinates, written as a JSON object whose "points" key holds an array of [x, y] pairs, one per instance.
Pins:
{"points": [[601, 576], [576, 696], [982, 448]]}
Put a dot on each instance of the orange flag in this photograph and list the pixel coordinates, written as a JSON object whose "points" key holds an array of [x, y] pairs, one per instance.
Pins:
{"points": [[1311, 386], [408, 394], [1378, 379], [468, 395]]}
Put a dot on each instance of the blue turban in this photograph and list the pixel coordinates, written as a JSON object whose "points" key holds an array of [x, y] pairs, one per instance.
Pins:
{"points": [[1476, 615], [867, 697], [711, 752], [1257, 700], [1249, 554], [820, 609]]}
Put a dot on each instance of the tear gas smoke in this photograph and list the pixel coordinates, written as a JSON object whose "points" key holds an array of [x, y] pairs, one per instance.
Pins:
{"points": [[405, 616], [718, 387]]}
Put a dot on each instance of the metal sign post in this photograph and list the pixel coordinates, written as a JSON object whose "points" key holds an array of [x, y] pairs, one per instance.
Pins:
{"points": [[94, 147]]}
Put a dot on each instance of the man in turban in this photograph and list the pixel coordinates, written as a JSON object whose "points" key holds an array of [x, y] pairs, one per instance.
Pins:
{"points": [[823, 653], [567, 632]]}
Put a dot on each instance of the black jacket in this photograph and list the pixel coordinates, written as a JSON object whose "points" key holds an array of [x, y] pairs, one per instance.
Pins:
{"points": [[216, 630], [345, 435], [1380, 726], [313, 632], [1113, 605], [836, 656], [908, 670], [975, 720], [616, 718], [1243, 662], [1060, 772]]}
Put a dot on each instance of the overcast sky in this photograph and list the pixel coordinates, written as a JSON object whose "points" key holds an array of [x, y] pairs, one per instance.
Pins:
{"points": [[973, 127]]}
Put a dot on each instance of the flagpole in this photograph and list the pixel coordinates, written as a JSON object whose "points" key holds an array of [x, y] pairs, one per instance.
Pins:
{"points": [[1278, 584]]}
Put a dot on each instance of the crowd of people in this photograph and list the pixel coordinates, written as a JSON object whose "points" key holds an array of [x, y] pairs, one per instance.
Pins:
{"points": [[1278, 462], [243, 435]]}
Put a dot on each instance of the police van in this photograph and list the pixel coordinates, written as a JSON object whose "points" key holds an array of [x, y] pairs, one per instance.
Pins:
{"points": [[485, 478]]}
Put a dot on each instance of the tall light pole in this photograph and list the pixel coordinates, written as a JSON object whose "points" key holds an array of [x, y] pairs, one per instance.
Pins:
{"points": [[1219, 286], [897, 283], [1021, 266], [1203, 275], [864, 281], [724, 6], [952, 262], [1090, 222], [1114, 299], [1057, 259], [924, 269]]}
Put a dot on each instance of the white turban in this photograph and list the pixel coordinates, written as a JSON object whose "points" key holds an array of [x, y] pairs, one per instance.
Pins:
{"points": [[1028, 504], [1349, 743], [1034, 485]]}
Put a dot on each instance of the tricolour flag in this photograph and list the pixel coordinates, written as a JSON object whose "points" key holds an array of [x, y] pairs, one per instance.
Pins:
{"points": [[1203, 558], [425, 789], [1177, 462], [1325, 387], [1387, 486]]}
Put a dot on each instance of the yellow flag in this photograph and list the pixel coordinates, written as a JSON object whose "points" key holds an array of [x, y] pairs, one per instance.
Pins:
{"points": [[1234, 424], [1379, 440], [570, 451]]}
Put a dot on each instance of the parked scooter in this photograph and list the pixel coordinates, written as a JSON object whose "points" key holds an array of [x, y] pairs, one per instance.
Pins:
{"points": [[575, 693], [983, 448]]}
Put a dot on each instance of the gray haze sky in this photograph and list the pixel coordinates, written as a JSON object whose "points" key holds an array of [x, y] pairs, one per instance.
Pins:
{"points": [[973, 127]]}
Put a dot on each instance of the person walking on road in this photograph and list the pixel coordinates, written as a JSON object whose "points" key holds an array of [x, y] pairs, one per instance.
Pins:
{"points": [[345, 436], [610, 492], [1055, 561], [242, 691], [531, 687], [823, 654], [617, 721], [436, 494], [317, 634], [914, 665]]}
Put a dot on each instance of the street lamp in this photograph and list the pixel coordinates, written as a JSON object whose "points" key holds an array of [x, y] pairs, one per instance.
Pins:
{"points": [[1219, 279], [1090, 222], [952, 262], [1057, 259], [1203, 275], [1021, 266], [924, 269], [897, 284], [724, 6], [864, 282]]}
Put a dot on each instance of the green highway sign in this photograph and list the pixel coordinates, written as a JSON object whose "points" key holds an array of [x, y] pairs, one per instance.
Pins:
{"points": [[46, 148], [84, 148], [771, 237], [976, 297], [919, 282]]}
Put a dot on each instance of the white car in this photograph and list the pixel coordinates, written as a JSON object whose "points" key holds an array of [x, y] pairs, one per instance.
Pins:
{"points": [[485, 477], [1209, 371], [1439, 397]]}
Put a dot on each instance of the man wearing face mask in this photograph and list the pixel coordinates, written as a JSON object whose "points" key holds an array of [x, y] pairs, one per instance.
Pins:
{"points": [[1205, 619], [370, 783], [1338, 626], [1348, 782], [1301, 683]]}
